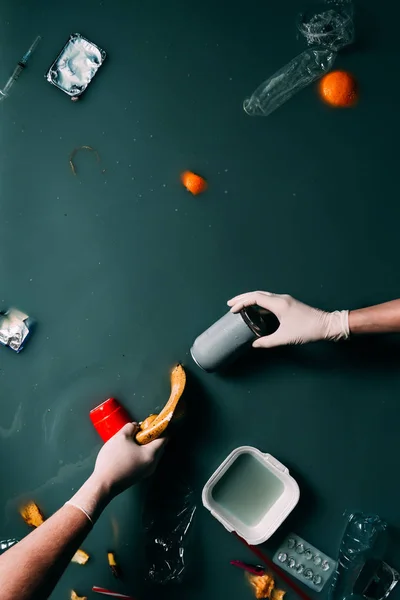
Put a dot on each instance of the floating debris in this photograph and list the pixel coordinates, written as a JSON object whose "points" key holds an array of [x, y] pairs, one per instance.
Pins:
{"points": [[7, 544], [19, 68], [76, 65], [32, 515], [74, 596], [15, 326], [195, 184], [80, 557], [78, 149], [113, 564]]}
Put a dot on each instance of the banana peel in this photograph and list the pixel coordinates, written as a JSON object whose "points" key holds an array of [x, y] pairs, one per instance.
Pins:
{"points": [[33, 516], [155, 425]]}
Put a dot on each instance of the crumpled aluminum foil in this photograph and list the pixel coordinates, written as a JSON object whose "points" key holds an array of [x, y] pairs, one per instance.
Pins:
{"points": [[14, 329], [76, 65]]}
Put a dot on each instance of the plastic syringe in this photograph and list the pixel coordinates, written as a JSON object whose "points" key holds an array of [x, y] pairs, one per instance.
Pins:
{"points": [[19, 68]]}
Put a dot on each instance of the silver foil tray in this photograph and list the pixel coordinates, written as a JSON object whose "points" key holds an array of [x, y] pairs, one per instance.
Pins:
{"points": [[76, 65]]}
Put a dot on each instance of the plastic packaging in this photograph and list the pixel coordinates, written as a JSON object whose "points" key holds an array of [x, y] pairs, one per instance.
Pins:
{"points": [[327, 28], [305, 562], [364, 539], [328, 25], [167, 520], [293, 77], [251, 493]]}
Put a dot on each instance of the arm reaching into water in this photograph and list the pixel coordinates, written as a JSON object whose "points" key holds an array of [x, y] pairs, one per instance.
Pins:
{"points": [[300, 323], [30, 569]]}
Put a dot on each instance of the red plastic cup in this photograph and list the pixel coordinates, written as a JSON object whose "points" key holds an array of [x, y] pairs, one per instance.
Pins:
{"points": [[108, 418]]}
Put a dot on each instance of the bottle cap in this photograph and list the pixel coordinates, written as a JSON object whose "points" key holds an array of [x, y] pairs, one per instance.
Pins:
{"points": [[108, 418]]}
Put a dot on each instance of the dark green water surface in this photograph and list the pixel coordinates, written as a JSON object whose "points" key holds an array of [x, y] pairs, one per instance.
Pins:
{"points": [[122, 270]]}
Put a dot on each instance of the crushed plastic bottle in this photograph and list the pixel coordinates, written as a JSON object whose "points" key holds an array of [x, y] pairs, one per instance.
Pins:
{"points": [[364, 539], [293, 77], [326, 28], [167, 520]]}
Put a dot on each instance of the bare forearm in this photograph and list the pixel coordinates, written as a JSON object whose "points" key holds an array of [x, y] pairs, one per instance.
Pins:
{"points": [[31, 568], [382, 318]]}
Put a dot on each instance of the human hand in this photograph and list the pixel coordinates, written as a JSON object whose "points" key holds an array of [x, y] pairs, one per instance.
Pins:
{"points": [[299, 323], [122, 462]]}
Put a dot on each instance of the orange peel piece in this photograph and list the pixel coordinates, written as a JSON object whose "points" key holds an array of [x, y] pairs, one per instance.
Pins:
{"points": [[80, 557], [74, 596], [262, 585], [32, 514], [277, 594], [152, 428], [195, 184]]}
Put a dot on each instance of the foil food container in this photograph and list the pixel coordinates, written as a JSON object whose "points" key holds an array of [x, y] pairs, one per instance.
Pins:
{"points": [[15, 327], [76, 65]]}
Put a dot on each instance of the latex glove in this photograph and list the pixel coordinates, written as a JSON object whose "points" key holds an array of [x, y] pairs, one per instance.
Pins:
{"points": [[299, 323], [121, 462]]}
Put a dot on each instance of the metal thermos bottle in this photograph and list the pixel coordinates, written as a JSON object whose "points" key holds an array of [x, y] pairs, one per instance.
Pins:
{"points": [[228, 337]]}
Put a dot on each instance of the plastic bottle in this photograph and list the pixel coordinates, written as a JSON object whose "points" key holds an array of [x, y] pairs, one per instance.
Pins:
{"points": [[364, 539]]}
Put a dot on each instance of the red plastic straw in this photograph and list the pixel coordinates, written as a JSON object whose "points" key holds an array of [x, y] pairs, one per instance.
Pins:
{"points": [[101, 590], [274, 568], [249, 568]]}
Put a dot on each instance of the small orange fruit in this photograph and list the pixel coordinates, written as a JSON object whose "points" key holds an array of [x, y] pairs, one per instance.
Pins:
{"points": [[193, 183], [338, 88]]}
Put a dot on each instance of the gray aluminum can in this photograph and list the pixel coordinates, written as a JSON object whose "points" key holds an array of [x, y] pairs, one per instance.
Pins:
{"points": [[228, 337]]}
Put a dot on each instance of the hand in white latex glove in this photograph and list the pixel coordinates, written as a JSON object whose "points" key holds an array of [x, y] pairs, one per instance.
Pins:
{"points": [[122, 462], [299, 323]]}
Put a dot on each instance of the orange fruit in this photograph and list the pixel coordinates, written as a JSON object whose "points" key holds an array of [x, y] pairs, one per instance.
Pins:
{"points": [[338, 88], [193, 183]]}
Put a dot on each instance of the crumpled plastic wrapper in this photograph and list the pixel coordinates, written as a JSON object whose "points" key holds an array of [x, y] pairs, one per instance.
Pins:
{"points": [[167, 520], [14, 329], [329, 25], [327, 28]]}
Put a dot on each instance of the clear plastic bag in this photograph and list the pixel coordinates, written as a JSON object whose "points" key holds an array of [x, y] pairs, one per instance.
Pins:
{"points": [[364, 539], [293, 77], [328, 25], [327, 28], [167, 520]]}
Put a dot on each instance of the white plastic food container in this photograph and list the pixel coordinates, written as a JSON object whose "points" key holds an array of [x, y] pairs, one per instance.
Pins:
{"points": [[251, 493]]}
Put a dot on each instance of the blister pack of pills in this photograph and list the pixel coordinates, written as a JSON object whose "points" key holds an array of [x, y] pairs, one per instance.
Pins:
{"points": [[305, 562]]}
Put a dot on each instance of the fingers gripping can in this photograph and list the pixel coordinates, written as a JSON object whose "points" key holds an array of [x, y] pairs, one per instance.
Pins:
{"points": [[230, 336]]}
